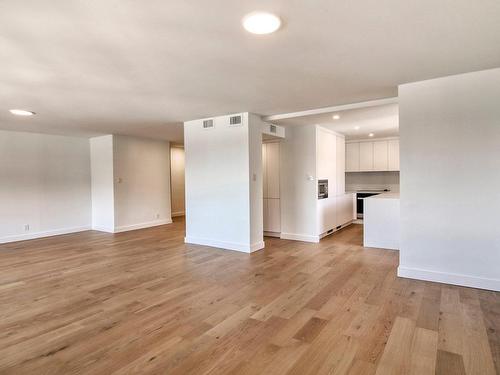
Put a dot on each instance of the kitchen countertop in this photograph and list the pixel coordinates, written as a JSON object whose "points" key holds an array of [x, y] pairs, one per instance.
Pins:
{"points": [[368, 191], [386, 195]]}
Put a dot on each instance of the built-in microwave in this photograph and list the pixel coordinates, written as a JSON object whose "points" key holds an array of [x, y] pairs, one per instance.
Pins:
{"points": [[322, 189]]}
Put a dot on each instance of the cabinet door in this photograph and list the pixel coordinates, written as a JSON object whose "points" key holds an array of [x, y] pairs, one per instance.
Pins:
{"points": [[354, 207], [264, 170], [352, 157], [265, 214], [273, 170], [380, 156], [273, 216], [327, 214], [325, 156], [340, 165], [366, 156], [345, 208], [394, 155]]}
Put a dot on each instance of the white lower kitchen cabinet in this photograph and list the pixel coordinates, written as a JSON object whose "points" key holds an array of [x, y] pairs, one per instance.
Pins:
{"points": [[272, 215], [335, 212], [327, 214], [345, 208]]}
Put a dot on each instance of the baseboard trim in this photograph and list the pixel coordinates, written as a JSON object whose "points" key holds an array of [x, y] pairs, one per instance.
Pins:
{"points": [[333, 230], [177, 214], [149, 224], [103, 229], [299, 237], [450, 278], [48, 233], [244, 248], [272, 234]]}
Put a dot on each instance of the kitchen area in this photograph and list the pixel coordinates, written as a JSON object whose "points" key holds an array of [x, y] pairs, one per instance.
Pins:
{"points": [[337, 168], [372, 173]]}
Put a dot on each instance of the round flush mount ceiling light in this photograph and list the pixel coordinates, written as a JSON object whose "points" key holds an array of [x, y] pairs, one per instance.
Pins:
{"points": [[356, 127], [21, 112], [371, 135], [261, 23], [336, 117]]}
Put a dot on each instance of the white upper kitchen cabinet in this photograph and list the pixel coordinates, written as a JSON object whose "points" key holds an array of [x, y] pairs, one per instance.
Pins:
{"points": [[352, 157], [366, 156], [371, 156], [380, 156], [393, 154], [325, 156]]}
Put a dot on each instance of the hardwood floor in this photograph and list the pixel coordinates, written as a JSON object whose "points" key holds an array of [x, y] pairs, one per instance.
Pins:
{"points": [[144, 302]]}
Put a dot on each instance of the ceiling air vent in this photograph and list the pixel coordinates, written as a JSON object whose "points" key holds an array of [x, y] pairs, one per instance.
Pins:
{"points": [[272, 128], [208, 124], [235, 120]]}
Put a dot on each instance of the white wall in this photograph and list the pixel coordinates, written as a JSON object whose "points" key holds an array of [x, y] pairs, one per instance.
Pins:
{"points": [[298, 192], [255, 176], [177, 168], [221, 204], [44, 183], [103, 208], [142, 182], [450, 159]]}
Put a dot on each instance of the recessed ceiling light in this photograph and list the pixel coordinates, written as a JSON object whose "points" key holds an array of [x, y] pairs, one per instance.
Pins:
{"points": [[356, 128], [21, 112], [336, 117], [261, 23], [371, 135]]}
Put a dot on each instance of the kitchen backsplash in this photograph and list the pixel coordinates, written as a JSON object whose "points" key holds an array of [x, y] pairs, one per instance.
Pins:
{"points": [[372, 181]]}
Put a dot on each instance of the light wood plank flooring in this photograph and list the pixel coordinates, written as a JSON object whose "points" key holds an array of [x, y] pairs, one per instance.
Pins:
{"points": [[143, 302]]}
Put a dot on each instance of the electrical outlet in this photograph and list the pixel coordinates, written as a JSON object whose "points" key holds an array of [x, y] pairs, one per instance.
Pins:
{"points": [[26, 227], [157, 216]]}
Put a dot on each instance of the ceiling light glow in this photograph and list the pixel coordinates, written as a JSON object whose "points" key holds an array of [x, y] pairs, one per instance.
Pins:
{"points": [[21, 112], [371, 135], [261, 23], [356, 128], [336, 117]]}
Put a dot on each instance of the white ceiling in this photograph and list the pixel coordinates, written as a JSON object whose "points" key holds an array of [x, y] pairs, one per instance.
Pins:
{"points": [[382, 121], [91, 67]]}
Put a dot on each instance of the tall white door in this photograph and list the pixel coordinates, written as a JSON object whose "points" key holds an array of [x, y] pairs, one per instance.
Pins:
{"points": [[273, 170], [264, 170], [271, 187]]}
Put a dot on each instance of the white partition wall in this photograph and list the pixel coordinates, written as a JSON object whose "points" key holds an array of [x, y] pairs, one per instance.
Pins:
{"points": [[311, 153], [103, 198], [450, 159], [130, 183], [223, 159]]}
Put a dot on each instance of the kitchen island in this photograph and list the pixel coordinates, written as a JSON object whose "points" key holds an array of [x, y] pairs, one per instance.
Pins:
{"points": [[381, 221]]}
